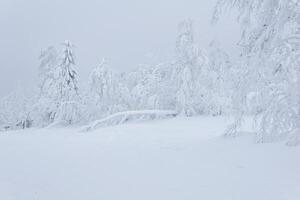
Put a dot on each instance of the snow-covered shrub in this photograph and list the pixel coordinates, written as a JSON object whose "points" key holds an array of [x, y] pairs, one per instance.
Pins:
{"points": [[15, 110]]}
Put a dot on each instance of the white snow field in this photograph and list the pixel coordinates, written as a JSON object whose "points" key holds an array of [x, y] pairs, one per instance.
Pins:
{"points": [[172, 159]]}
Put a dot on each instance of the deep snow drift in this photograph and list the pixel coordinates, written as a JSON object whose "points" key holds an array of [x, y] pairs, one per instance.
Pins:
{"points": [[179, 158]]}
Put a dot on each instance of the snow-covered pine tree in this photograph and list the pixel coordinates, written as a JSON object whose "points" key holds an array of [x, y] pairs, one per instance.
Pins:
{"points": [[66, 92], [271, 63]]}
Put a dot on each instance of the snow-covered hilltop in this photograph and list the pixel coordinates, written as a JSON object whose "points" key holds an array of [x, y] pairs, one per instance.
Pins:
{"points": [[181, 158]]}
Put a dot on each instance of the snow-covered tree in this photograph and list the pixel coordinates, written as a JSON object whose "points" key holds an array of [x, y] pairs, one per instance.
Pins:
{"points": [[67, 96], [59, 98], [152, 87], [45, 109], [48, 62], [66, 74], [186, 60], [187, 71], [108, 93], [270, 63], [220, 73]]}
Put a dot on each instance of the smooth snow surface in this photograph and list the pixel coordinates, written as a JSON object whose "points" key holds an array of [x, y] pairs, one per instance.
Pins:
{"points": [[176, 159]]}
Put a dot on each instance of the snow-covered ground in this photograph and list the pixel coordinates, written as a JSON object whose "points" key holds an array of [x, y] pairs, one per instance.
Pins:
{"points": [[184, 159]]}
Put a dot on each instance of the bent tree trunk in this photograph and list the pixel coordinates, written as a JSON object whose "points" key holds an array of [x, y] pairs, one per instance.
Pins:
{"points": [[121, 117]]}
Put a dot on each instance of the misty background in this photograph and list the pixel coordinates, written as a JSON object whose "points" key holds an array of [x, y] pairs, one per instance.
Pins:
{"points": [[127, 33]]}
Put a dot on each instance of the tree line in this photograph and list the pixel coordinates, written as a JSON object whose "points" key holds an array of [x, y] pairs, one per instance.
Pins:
{"points": [[264, 81]]}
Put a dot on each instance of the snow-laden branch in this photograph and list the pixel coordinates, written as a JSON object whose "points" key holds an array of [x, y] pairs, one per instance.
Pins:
{"points": [[126, 114]]}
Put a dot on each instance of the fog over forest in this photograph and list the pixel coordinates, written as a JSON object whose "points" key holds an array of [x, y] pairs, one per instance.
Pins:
{"points": [[128, 33]]}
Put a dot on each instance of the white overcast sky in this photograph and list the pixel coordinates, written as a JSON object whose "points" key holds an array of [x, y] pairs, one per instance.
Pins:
{"points": [[127, 32]]}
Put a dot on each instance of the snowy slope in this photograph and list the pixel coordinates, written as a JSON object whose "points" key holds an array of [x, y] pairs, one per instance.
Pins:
{"points": [[176, 159]]}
